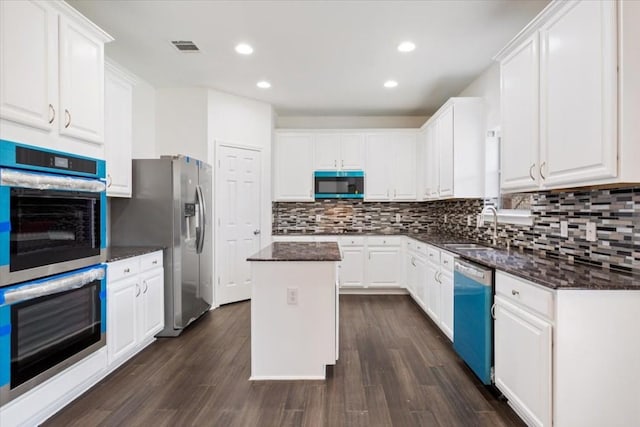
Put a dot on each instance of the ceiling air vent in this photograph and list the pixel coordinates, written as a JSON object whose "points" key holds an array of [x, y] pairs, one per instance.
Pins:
{"points": [[185, 45]]}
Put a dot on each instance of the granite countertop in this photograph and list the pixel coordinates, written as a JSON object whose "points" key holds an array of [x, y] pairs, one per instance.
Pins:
{"points": [[298, 251], [551, 272], [117, 253]]}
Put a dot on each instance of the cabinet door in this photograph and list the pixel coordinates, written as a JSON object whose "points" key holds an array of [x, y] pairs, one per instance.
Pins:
{"points": [[579, 94], [520, 120], [445, 152], [432, 292], [352, 152], [433, 168], [378, 158], [81, 62], [122, 318], [410, 269], [523, 361], [446, 303], [326, 151], [118, 133], [404, 167], [383, 266], [293, 172], [352, 267], [152, 297], [28, 76], [420, 280]]}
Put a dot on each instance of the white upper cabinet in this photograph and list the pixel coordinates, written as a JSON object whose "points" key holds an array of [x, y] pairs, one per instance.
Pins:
{"points": [[118, 122], [405, 175], [52, 77], [377, 183], [455, 150], [338, 151], [519, 104], [81, 82], [570, 98], [391, 166], [293, 167], [28, 36]]}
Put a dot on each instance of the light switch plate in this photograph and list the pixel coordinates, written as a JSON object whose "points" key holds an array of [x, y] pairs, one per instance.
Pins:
{"points": [[564, 228], [292, 296], [318, 218], [398, 217], [591, 232]]}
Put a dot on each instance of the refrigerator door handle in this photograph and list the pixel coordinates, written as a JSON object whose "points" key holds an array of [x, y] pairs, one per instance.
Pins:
{"points": [[201, 230]]}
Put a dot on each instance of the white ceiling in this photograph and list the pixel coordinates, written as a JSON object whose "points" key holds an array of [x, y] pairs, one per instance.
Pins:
{"points": [[322, 57]]}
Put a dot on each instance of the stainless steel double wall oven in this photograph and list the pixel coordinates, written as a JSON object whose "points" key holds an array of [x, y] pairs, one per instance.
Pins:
{"points": [[52, 280]]}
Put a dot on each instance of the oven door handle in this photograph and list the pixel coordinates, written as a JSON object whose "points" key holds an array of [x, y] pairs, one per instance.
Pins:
{"points": [[44, 181], [41, 288]]}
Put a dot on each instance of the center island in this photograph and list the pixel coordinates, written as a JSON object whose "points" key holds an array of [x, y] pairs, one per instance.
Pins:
{"points": [[294, 310]]}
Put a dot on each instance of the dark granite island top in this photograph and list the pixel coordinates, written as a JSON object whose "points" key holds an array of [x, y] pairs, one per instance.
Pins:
{"points": [[117, 253], [298, 251]]}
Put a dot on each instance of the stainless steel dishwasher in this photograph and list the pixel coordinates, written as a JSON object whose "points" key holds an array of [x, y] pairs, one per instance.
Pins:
{"points": [[472, 321]]}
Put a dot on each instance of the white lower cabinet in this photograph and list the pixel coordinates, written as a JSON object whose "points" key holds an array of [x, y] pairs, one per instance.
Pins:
{"points": [[135, 308], [439, 289], [383, 265], [352, 264]]}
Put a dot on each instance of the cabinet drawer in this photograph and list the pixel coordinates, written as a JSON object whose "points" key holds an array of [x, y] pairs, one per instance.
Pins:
{"points": [[124, 268], [325, 239], [384, 241], [351, 240], [152, 260], [446, 261], [433, 255], [525, 294]]}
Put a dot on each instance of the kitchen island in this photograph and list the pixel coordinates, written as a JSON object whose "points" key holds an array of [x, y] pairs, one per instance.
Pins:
{"points": [[294, 310]]}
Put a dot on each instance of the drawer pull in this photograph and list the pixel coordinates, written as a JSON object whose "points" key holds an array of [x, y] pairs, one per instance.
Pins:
{"points": [[127, 270], [155, 261], [445, 261], [514, 292]]}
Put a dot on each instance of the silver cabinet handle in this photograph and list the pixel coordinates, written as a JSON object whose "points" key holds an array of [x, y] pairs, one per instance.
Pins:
{"points": [[127, 270], [413, 261], [68, 116], [155, 262], [541, 167], [53, 113], [531, 172], [493, 311], [342, 164], [335, 163], [137, 290], [109, 180], [146, 287], [256, 232], [395, 193], [514, 292], [445, 261], [387, 192]]}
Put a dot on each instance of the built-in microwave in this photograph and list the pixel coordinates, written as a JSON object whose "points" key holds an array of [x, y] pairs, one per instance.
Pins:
{"points": [[339, 184]]}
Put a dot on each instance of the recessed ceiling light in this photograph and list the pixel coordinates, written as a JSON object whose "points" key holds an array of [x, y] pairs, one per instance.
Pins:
{"points": [[406, 46], [244, 49], [263, 84], [390, 83]]}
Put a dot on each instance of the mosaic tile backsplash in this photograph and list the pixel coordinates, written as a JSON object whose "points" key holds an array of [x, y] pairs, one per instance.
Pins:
{"points": [[616, 213]]}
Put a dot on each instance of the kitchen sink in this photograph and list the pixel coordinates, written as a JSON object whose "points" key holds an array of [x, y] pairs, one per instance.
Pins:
{"points": [[467, 246]]}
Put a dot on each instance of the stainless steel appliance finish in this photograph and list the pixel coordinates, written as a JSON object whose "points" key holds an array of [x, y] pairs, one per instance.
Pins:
{"points": [[171, 207]]}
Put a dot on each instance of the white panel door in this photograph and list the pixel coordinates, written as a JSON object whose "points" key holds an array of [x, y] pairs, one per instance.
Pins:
{"points": [[432, 292], [421, 280], [293, 171], [152, 295], [432, 162], [578, 76], [383, 266], [238, 212], [326, 151], [352, 151], [118, 117], [446, 303], [122, 319], [445, 152], [81, 64], [352, 266], [28, 76], [404, 167], [523, 361], [520, 119], [379, 158]]}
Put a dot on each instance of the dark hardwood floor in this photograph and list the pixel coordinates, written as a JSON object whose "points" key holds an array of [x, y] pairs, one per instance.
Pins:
{"points": [[395, 369]]}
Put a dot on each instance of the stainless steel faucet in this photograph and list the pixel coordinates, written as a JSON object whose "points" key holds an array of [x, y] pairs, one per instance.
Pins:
{"points": [[495, 222]]}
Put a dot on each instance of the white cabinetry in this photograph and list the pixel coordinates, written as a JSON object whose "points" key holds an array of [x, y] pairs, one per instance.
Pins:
{"points": [[455, 150], [391, 166], [439, 289], [572, 64], [339, 151], [416, 271], [293, 167], [52, 78], [383, 265], [135, 310], [118, 130], [353, 261]]}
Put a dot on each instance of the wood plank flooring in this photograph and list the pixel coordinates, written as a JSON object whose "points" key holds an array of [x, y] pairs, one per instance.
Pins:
{"points": [[395, 369]]}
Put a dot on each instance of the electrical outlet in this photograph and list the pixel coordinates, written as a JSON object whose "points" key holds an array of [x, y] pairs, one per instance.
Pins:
{"points": [[398, 217], [591, 232], [479, 220], [564, 229], [318, 218], [445, 218], [469, 220], [292, 296]]}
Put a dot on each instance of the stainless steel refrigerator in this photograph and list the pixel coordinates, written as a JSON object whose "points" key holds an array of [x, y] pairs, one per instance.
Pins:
{"points": [[171, 207]]}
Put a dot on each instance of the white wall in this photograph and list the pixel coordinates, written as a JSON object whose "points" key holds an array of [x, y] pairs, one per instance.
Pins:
{"points": [[487, 86], [144, 121], [181, 122], [349, 122]]}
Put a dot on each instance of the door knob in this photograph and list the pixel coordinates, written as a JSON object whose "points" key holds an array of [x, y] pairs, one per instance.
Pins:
{"points": [[256, 232]]}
